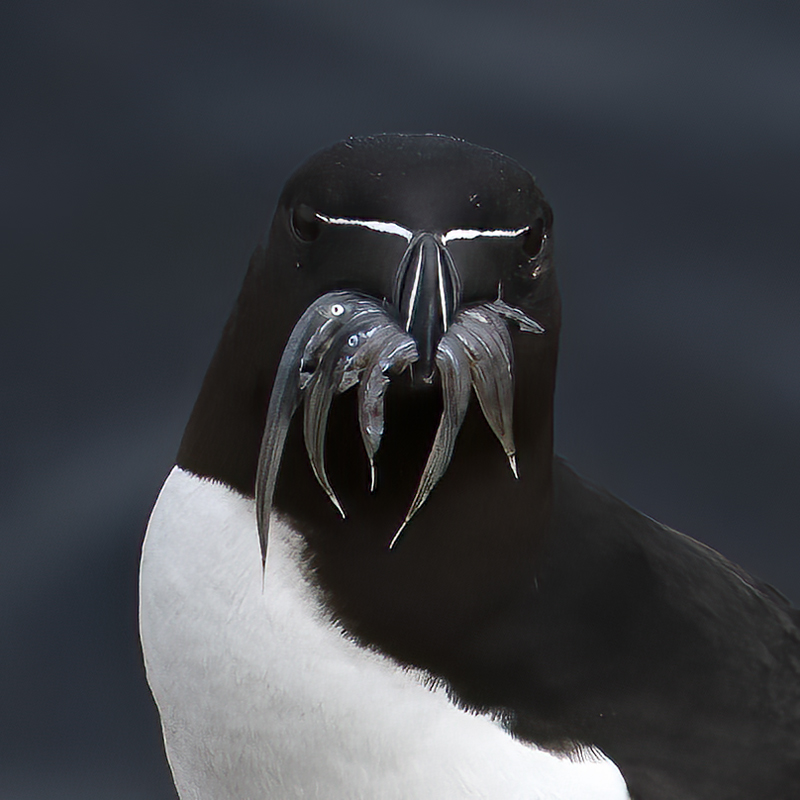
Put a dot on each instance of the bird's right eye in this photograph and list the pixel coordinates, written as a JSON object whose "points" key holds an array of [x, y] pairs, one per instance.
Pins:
{"points": [[534, 238], [306, 225]]}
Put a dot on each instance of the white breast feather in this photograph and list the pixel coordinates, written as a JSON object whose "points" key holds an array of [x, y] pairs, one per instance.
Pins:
{"points": [[262, 699]]}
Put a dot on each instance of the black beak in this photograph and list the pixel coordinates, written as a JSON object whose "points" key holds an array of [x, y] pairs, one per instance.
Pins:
{"points": [[427, 295]]}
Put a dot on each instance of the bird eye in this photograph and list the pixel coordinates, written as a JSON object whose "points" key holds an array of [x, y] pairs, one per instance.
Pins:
{"points": [[306, 225], [532, 243]]}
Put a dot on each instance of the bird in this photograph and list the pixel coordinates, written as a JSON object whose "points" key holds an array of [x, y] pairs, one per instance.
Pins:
{"points": [[368, 575]]}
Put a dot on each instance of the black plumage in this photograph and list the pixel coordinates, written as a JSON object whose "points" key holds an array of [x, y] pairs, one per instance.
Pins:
{"points": [[544, 600]]}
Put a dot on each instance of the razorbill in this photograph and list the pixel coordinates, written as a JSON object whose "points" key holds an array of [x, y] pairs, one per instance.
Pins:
{"points": [[367, 575]]}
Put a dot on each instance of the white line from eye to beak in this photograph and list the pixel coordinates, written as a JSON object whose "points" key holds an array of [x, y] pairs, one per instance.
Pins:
{"points": [[468, 233], [399, 230], [371, 224]]}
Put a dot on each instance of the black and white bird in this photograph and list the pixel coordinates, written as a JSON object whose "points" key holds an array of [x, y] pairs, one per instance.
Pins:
{"points": [[368, 576]]}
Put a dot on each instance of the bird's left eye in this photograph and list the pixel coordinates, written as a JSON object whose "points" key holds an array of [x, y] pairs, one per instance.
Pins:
{"points": [[306, 225]]}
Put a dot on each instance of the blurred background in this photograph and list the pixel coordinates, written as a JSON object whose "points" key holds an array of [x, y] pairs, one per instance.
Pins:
{"points": [[144, 143]]}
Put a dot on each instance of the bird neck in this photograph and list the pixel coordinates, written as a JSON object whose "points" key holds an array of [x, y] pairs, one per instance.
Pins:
{"points": [[472, 543]]}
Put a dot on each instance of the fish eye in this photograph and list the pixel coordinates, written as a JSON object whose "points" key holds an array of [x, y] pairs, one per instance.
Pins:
{"points": [[353, 340], [306, 225], [534, 238], [337, 309]]}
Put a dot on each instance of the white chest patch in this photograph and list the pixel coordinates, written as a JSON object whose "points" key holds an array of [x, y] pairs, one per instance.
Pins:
{"points": [[262, 699]]}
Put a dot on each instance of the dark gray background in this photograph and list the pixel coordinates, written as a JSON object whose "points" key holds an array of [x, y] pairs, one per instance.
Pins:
{"points": [[143, 146]]}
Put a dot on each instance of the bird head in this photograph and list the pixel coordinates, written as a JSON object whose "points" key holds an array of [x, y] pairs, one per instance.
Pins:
{"points": [[404, 254], [426, 224], [410, 273]]}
